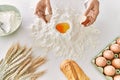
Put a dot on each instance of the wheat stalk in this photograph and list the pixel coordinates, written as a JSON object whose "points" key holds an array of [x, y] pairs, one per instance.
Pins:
{"points": [[19, 64]]}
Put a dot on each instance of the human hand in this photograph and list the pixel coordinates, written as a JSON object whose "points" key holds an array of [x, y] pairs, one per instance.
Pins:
{"points": [[41, 8], [91, 12]]}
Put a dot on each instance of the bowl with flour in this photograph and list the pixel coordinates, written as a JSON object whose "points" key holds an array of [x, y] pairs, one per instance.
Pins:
{"points": [[10, 19]]}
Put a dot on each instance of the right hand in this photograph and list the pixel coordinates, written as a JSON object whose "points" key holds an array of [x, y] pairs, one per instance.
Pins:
{"points": [[91, 12], [40, 10]]}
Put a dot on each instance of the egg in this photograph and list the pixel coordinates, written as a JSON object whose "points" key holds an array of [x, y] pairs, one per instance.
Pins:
{"points": [[62, 27], [118, 41], [108, 54], [109, 70], [101, 61], [115, 48], [116, 63], [117, 77]]}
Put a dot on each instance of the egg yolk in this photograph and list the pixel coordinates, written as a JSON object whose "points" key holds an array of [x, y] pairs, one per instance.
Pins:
{"points": [[62, 27]]}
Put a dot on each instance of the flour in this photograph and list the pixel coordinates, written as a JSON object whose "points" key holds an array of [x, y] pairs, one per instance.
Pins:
{"points": [[71, 44], [7, 18]]}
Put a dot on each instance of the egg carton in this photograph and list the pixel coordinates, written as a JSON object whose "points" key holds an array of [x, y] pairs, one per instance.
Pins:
{"points": [[108, 62]]}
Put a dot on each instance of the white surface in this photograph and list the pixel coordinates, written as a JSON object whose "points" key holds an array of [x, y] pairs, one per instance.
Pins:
{"points": [[107, 22]]}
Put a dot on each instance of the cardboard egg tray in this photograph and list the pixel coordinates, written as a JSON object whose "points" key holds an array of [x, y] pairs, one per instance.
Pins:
{"points": [[101, 69]]}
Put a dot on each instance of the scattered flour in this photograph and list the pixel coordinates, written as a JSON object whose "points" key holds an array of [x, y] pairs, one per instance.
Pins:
{"points": [[71, 44]]}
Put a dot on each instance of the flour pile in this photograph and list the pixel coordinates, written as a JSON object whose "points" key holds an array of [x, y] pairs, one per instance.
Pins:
{"points": [[71, 44], [8, 20]]}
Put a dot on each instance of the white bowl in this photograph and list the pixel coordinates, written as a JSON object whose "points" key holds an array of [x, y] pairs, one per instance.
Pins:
{"points": [[17, 21]]}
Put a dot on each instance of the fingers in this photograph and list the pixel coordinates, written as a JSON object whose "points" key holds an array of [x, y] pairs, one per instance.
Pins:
{"points": [[49, 7], [48, 17], [40, 10], [90, 6], [96, 8], [92, 20], [92, 12], [41, 15], [37, 10]]}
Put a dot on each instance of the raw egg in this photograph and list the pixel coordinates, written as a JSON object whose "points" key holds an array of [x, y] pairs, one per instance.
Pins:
{"points": [[118, 41], [109, 70], [101, 61], [115, 48], [116, 63], [108, 54], [62, 27], [117, 77]]}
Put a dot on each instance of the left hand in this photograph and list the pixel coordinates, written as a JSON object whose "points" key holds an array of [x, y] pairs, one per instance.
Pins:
{"points": [[41, 8], [91, 12]]}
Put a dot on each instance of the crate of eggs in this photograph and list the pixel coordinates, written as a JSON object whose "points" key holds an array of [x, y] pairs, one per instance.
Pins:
{"points": [[108, 61]]}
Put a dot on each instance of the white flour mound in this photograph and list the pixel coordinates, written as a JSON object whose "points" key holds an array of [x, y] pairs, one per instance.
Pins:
{"points": [[71, 44], [7, 19]]}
